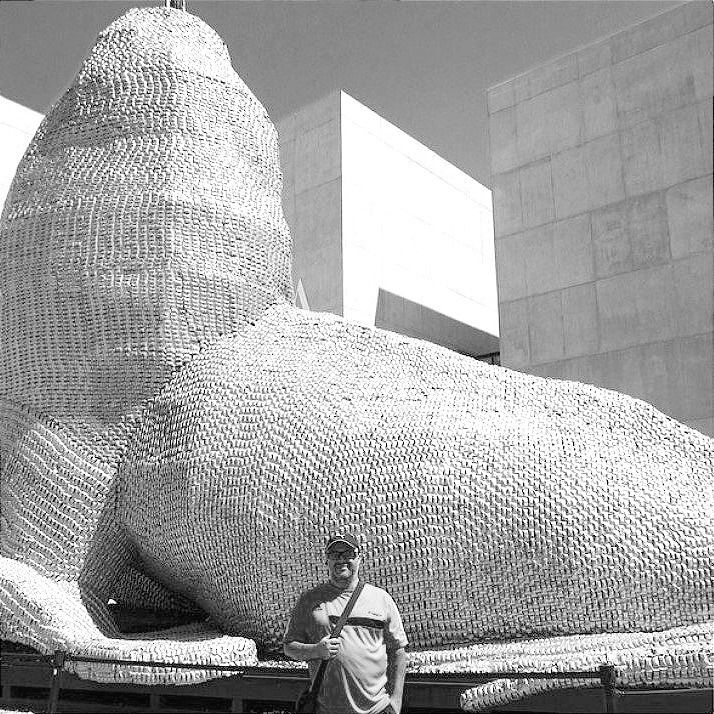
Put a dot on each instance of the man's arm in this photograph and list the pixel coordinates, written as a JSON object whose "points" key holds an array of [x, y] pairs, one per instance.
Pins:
{"points": [[326, 648], [294, 644], [301, 651], [396, 667]]}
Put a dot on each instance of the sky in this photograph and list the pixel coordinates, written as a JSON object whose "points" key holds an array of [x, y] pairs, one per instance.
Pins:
{"points": [[424, 66]]}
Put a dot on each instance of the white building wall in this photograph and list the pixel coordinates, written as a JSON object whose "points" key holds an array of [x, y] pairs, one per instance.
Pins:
{"points": [[312, 201], [412, 224], [18, 125]]}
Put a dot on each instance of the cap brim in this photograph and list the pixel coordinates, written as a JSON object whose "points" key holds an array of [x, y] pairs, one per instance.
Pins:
{"points": [[339, 540]]}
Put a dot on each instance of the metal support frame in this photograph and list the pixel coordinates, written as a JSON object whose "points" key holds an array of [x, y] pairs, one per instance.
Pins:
{"points": [[58, 660], [606, 674], [607, 680]]}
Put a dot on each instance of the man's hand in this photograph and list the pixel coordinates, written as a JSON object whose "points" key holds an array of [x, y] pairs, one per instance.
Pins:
{"points": [[327, 647]]}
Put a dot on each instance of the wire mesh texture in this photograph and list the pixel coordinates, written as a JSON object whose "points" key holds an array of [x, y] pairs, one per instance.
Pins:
{"points": [[176, 433]]}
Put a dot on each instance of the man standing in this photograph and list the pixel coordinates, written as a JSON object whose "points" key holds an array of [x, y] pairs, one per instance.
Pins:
{"points": [[366, 671]]}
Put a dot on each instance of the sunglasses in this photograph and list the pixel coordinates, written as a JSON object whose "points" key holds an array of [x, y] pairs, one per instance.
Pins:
{"points": [[348, 553]]}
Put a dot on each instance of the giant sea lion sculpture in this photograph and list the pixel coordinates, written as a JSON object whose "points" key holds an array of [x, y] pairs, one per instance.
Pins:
{"points": [[175, 431]]}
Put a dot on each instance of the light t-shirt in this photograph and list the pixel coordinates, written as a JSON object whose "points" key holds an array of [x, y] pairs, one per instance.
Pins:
{"points": [[356, 678]]}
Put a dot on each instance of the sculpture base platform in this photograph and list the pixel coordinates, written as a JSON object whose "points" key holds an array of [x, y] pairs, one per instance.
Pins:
{"points": [[271, 688]]}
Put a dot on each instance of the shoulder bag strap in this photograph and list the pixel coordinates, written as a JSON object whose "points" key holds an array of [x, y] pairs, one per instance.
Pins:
{"points": [[317, 682]]}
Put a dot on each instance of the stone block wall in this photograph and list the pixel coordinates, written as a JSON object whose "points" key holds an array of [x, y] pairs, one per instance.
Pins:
{"points": [[602, 186]]}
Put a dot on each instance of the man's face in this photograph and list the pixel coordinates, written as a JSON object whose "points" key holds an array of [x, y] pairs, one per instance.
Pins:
{"points": [[343, 563]]}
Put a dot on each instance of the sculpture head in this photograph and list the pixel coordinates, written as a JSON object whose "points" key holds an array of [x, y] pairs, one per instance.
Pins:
{"points": [[144, 221]]}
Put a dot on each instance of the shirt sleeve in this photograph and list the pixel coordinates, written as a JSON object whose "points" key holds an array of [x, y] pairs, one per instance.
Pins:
{"points": [[394, 635], [296, 630]]}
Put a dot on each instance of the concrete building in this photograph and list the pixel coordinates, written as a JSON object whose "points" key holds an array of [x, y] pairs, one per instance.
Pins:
{"points": [[602, 181], [386, 232], [18, 125]]}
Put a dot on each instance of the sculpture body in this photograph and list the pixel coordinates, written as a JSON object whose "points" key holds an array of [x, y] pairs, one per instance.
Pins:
{"points": [[494, 504], [175, 431]]}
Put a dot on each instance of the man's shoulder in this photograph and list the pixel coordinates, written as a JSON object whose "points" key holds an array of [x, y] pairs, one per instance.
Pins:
{"points": [[317, 594], [375, 592], [374, 589]]}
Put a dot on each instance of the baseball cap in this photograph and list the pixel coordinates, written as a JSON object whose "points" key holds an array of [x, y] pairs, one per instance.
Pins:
{"points": [[342, 537]]}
